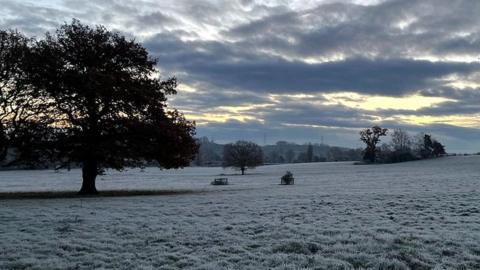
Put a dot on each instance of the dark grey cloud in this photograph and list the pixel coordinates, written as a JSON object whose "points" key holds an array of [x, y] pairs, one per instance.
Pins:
{"points": [[328, 116], [209, 100], [241, 52], [228, 66], [391, 29]]}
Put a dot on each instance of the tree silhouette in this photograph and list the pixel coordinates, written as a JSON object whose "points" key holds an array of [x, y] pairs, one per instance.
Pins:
{"points": [[425, 145], [309, 153], [108, 109], [371, 137], [290, 155], [438, 149], [16, 106], [401, 141], [429, 147], [242, 155]]}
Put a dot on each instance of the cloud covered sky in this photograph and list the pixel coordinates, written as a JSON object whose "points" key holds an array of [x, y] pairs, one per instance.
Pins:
{"points": [[300, 70]]}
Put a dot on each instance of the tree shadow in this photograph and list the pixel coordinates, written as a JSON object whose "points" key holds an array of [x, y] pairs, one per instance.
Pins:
{"points": [[104, 193]]}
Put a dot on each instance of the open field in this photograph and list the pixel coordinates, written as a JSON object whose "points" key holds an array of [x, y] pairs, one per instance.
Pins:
{"points": [[414, 215]]}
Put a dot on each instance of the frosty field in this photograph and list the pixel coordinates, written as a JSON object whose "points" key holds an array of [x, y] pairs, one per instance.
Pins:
{"points": [[414, 215]]}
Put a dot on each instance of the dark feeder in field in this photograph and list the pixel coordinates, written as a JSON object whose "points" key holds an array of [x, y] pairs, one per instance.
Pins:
{"points": [[220, 181], [287, 179]]}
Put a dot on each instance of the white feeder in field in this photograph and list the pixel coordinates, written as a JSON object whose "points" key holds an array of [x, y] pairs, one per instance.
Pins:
{"points": [[220, 181], [287, 179]]}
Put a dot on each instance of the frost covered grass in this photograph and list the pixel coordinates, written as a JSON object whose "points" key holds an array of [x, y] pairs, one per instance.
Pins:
{"points": [[414, 215]]}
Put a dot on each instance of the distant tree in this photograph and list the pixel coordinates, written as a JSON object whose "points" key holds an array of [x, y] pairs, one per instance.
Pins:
{"points": [[355, 154], [302, 157], [198, 159], [274, 157], [282, 143], [401, 141], [427, 146], [335, 153], [290, 156], [242, 155], [309, 153], [209, 153], [384, 154], [399, 150], [438, 149], [418, 144], [107, 106], [371, 137], [424, 145]]}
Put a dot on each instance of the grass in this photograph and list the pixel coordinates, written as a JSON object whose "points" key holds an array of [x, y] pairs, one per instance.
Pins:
{"points": [[413, 215]]}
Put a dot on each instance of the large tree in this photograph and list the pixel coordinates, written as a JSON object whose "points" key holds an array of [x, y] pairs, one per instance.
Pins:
{"points": [[12, 53], [242, 155], [371, 137], [107, 103], [19, 104]]}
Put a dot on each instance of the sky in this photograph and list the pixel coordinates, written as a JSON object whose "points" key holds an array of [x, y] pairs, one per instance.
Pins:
{"points": [[300, 71]]}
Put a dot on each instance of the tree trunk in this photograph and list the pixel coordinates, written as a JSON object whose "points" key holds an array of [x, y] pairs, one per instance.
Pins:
{"points": [[3, 152], [369, 155], [3, 143], [89, 174], [243, 170]]}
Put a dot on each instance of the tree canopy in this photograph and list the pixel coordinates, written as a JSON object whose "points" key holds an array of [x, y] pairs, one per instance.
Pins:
{"points": [[430, 147], [242, 155], [371, 137], [105, 104], [16, 106]]}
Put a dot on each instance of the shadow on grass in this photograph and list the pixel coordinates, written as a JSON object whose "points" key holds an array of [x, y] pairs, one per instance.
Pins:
{"points": [[103, 193]]}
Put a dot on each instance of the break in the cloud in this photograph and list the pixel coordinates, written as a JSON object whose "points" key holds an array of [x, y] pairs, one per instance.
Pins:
{"points": [[298, 70]]}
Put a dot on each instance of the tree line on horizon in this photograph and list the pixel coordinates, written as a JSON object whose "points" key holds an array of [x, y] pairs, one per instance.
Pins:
{"points": [[402, 147], [211, 153], [242, 155]]}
